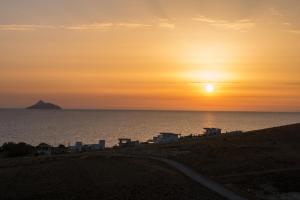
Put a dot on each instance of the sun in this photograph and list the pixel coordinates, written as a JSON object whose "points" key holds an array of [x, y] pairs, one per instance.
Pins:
{"points": [[209, 88]]}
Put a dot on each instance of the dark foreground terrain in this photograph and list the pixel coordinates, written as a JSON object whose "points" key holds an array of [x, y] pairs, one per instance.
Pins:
{"points": [[259, 165], [263, 164], [94, 176]]}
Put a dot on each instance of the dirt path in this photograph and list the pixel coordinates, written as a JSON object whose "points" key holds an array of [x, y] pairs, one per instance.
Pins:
{"points": [[204, 181], [213, 186]]}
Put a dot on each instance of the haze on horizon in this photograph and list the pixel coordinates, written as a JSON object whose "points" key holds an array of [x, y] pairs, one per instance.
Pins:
{"points": [[151, 54]]}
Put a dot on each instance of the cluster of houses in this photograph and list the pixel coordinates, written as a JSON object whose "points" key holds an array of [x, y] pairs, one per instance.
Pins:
{"points": [[80, 147], [46, 149], [166, 138], [162, 138]]}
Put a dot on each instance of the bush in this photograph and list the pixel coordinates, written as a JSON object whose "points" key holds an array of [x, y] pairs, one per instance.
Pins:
{"points": [[11, 149], [61, 146]]}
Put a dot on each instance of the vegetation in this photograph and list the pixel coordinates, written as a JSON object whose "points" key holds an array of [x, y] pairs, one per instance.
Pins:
{"points": [[61, 146], [11, 149], [95, 175], [257, 164]]}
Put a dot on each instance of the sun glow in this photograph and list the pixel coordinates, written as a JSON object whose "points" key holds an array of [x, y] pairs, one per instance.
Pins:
{"points": [[209, 88], [208, 76]]}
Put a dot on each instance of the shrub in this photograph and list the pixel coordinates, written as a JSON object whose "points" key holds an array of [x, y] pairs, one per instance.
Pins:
{"points": [[61, 146], [11, 149]]}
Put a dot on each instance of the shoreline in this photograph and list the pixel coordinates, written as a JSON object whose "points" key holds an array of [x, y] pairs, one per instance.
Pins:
{"points": [[184, 135]]}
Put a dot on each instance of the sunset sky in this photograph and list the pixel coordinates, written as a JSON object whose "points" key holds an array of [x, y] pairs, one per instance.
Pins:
{"points": [[222, 55]]}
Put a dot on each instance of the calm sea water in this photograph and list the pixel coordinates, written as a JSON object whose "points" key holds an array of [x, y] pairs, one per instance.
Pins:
{"points": [[68, 126]]}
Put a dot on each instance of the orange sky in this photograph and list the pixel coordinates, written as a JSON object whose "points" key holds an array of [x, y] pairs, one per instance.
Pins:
{"points": [[151, 54]]}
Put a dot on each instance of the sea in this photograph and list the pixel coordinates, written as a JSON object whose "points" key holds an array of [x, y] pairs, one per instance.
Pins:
{"points": [[68, 126]]}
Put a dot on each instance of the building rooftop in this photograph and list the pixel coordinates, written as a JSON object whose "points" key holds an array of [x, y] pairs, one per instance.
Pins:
{"points": [[212, 129], [169, 134]]}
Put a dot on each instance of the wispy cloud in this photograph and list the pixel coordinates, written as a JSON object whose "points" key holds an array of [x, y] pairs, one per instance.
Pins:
{"points": [[235, 25], [283, 22], [94, 26], [132, 25], [275, 12], [165, 23], [102, 26], [24, 27], [293, 31], [105, 26], [290, 28]]}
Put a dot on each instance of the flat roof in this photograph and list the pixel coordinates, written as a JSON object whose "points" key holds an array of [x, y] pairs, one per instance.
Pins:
{"points": [[169, 134], [212, 128]]}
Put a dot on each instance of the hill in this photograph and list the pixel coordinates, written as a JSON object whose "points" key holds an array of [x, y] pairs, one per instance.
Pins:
{"points": [[45, 106], [262, 164], [94, 176]]}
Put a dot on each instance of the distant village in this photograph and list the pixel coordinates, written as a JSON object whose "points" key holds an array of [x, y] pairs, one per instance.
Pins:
{"points": [[162, 138]]}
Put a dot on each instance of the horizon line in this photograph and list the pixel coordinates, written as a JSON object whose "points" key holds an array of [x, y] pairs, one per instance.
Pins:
{"points": [[154, 110]]}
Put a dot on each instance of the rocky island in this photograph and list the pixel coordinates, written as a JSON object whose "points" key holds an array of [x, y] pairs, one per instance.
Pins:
{"points": [[44, 106]]}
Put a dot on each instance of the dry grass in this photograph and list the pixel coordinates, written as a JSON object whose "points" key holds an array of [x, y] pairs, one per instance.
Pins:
{"points": [[93, 176], [242, 162], [256, 151]]}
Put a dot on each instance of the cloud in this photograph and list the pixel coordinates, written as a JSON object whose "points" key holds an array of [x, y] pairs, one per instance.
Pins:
{"points": [[106, 26], [97, 26], [287, 23], [275, 12], [205, 19], [165, 23], [293, 31], [132, 25], [23, 27], [94, 26], [235, 25], [161, 23]]}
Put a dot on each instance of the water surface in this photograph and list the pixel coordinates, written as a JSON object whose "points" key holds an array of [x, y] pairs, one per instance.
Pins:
{"points": [[68, 126]]}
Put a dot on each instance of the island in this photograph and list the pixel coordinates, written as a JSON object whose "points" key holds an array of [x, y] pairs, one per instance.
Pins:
{"points": [[44, 106]]}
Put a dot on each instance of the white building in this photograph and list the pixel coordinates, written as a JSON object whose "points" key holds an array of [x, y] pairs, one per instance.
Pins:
{"points": [[212, 132], [101, 145], [165, 138], [44, 149], [96, 147], [78, 146], [126, 142]]}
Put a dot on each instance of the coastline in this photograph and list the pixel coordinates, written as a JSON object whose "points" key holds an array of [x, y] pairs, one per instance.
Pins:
{"points": [[67, 127]]}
